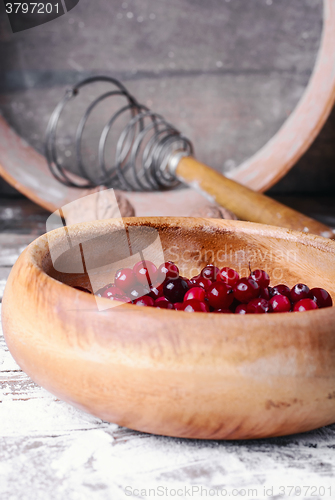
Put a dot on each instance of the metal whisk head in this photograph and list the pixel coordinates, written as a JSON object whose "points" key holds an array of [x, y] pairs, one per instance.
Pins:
{"points": [[143, 149]]}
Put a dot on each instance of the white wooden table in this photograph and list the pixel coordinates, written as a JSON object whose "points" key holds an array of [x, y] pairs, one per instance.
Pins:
{"points": [[49, 450]]}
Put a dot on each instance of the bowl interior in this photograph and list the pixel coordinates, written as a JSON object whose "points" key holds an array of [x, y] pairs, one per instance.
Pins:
{"points": [[90, 254]]}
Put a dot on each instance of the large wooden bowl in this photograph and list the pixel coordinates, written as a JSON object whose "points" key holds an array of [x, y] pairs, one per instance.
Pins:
{"points": [[198, 375]]}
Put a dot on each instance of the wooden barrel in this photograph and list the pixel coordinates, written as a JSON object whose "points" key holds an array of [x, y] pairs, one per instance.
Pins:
{"points": [[250, 83]]}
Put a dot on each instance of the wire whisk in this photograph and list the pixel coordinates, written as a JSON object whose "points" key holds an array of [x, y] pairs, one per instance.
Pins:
{"points": [[143, 148]]}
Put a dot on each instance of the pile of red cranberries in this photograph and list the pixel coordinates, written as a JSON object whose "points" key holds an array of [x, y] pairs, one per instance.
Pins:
{"points": [[213, 290]]}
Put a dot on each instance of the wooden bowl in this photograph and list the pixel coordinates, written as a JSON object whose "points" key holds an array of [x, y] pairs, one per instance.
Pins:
{"points": [[207, 376]]}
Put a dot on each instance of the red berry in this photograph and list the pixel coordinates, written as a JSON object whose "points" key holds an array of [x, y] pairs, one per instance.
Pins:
{"points": [[220, 295], [146, 272], [246, 289], [163, 303], [304, 305], [280, 304], [112, 290], [280, 290], [194, 306], [168, 271], [265, 293], [321, 297], [156, 291], [200, 281], [125, 279], [219, 291], [223, 311], [210, 272], [115, 293], [196, 292], [241, 309], [189, 284], [228, 276], [261, 277], [145, 301], [174, 290], [138, 291], [257, 306], [299, 292]]}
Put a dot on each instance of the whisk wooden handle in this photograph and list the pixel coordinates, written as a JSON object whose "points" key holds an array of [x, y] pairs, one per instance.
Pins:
{"points": [[245, 203]]}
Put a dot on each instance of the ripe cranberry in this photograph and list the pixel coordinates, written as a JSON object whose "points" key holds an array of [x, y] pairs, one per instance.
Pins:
{"points": [[241, 309], [200, 281], [220, 295], [280, 290], [174, 290], [101, 290], [210, 272], [145, 301], [304, 305], [146, 272], [169, 290], [321, 297], [138, 291], [265, 293], [156, 291], [112, 290], [115, 293], [189, 284], [280, 304], [163, 303], [299, 292], [82, 289], [261, 277], [257, 306], [246, 289], [228, 276], [168, 271], [125, 279], [196, 292], [194, 306]]}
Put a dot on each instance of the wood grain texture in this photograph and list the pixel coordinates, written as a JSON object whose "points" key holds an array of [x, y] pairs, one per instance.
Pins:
{"points": [[244, 202], [166, 372]]}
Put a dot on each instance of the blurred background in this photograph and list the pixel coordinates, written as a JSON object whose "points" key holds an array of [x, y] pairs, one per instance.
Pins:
{"points": [[227, 73]]}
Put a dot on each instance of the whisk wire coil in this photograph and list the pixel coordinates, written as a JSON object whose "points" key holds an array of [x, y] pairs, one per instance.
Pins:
{"points": [[143, 148]]}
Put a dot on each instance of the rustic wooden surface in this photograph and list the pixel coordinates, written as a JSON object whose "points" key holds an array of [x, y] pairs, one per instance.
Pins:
{"points": [[51, 451]]}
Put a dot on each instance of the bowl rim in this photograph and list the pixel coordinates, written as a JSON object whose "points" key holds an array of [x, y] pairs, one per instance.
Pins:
{"points": [[318, 242]]}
